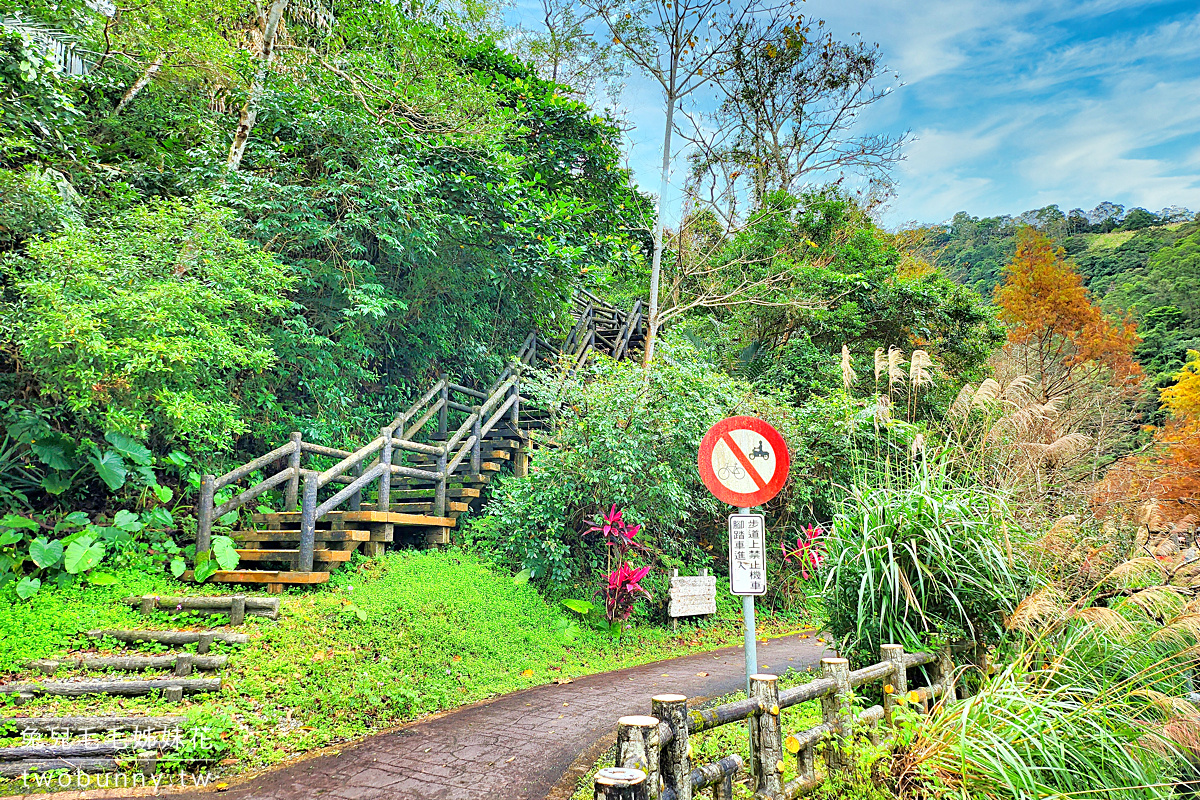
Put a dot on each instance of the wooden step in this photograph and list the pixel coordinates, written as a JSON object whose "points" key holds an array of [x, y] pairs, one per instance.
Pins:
{"points": [[427, 507], [420, 494], [264, 576], [321, 535], [290, 555], [93, 725], [292, 517], [133, 688], [49, 666]]}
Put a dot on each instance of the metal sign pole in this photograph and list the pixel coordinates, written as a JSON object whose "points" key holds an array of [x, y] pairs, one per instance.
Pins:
{"points": [[748, 622]]}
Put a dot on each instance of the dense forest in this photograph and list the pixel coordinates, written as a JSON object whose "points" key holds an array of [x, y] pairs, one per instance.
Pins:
{"points": [[222, 223]]}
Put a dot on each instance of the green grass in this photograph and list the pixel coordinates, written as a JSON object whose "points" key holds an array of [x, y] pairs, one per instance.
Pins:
{"points": [[387, 641], [734, 739]]}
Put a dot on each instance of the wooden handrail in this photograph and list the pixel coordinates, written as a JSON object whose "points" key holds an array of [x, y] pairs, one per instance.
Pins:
{"points": [[237, 474], [239, 500]]}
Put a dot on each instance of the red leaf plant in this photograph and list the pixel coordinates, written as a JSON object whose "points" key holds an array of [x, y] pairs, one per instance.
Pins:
{"points": [[622, 591], [807, 550]]}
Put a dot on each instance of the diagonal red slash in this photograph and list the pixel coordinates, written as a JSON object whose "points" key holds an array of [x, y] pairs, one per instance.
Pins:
{"points": [[741, 457]]}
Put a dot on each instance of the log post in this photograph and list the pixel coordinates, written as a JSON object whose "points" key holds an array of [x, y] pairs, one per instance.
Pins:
{"points": [[836, 710], [384, 502], [173, 694], [184, 664], [766, 736], [237, 609], [675, 763], [204, 515], [638, 749], [615, 783], [894, 655], [308, 522], [355, 503], [444, 401], [945, 670], [204, 643], [477, 434], [147, 605], [291, 495], [514, 413], [723, 789], [439, 493]]}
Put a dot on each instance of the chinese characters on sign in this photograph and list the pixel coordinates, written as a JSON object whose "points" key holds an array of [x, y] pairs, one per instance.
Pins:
{"points": [[747, 554]]}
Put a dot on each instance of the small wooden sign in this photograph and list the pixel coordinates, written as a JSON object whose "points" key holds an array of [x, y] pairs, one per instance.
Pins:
{"points": [[693, 595]]}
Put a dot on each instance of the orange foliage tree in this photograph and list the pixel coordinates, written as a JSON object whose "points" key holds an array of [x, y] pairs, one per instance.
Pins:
{"points": [[1170, 471], [1057, 335]]}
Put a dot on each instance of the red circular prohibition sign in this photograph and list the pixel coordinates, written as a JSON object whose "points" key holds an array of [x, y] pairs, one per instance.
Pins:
{"points": [[766, 488]]}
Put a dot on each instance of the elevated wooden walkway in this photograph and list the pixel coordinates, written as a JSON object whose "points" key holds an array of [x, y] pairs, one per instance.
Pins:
{"points": [[409, 485]]}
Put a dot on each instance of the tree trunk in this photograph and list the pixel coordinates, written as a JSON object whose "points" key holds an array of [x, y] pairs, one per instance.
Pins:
{"points": [[652, 321], [140, 83], [250, 111]]}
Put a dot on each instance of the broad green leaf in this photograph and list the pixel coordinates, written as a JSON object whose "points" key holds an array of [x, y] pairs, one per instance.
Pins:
{"points": [[159, 517], [28, 587], [127, 521], [45, 553], [522, 577], [10, 537], [178, 567], [225, 552], [110, 467], [178, 458], [82, 554], [578, 606], [76, 519], [205, 567], [163, 493], [132, 449], [14, 521], [53, 453], [102, 579], [56, 483]]}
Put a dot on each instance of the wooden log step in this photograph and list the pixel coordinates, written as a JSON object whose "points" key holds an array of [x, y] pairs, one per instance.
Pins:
{"points": [[83, 749], [48, 666], [290, 555], [265, 576], [90, 724], [422, 494], [347, 535], [16, 769], [124, 688], [257, 606], [427, 508], [170, 637]]}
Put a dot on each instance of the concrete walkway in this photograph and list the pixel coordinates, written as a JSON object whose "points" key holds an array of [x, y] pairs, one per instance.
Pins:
{"points": [[515, 747]]}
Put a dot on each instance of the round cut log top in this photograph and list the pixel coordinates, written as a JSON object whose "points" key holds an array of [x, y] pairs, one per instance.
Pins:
{"points": [[669, 698], [764, 676], [835, 661], [639, 721], [619, 776]]}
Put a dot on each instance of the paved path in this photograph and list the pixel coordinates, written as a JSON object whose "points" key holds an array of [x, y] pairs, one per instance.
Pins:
{"points": [[516, 747]]}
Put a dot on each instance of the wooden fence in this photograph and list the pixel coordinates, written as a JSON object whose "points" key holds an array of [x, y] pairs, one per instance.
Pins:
{"points": [[653, 759], [599, 326]]}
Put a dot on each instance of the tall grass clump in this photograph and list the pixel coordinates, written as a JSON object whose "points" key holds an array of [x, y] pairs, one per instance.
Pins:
{"points": [[917, 559], [1093, 704]]}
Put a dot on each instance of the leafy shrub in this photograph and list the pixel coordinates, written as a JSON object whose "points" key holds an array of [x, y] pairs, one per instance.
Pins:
{"points": [[917, 560], [29, 206], [151, 326]]}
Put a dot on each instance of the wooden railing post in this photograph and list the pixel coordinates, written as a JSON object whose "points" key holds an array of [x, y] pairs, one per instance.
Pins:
{"points": [[638, 749], [945, 675], [616, 783], [894, 655], [838, 711], [355, 502], [384, 503], [308, 522], [291, 495], [443, 411], [439, 494], [675, 763], [514, 412], [477, 432], [204, 515], [766, 735]]}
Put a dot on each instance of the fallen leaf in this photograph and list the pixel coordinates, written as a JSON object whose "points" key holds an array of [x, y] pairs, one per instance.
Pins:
{"points": [[527, 673], [222, 787], [456, 658], [701, 674]]}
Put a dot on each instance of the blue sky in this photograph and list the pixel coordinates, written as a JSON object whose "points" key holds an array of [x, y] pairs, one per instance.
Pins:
{"points": [[1016, 104]]}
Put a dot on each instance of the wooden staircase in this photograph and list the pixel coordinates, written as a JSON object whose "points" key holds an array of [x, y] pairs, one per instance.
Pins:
{"points": [[409, 486]]}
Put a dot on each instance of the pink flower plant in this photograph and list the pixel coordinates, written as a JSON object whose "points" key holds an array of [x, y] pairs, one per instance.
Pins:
{"points": [[807, 550], [616, 532]]}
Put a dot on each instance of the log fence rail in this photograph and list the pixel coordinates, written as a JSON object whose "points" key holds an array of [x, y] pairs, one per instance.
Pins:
{"points": [[656, 747]]}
